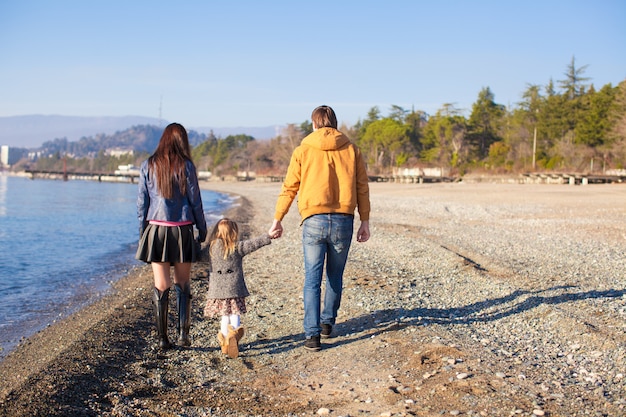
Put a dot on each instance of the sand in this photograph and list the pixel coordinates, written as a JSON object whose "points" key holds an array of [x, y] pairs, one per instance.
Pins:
{"points": [[469, 299]]}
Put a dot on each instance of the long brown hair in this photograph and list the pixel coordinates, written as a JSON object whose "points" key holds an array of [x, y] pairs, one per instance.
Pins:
{"points": [[227, 231], [167, 163]]}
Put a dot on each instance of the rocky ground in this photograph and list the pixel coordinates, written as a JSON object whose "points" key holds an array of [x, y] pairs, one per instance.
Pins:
{"points": [[469, 299]]}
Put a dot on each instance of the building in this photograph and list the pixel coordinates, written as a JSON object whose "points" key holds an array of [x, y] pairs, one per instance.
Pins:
{"points": [[10, 155], [117, 152]]}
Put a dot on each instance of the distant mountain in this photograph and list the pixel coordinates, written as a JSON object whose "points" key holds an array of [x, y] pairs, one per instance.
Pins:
{"points": [[31, 131], [140, 138]]}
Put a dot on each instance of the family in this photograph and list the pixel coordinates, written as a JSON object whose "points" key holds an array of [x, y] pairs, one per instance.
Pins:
{"points": [[326, 171]]}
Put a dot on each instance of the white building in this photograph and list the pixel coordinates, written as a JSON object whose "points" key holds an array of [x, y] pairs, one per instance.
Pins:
{"points": [[129, 170], [9, 155], [119, 152]]}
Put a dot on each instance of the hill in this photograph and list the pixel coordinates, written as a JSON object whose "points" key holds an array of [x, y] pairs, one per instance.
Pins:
{"points": [[31, 131], [139, 138]]}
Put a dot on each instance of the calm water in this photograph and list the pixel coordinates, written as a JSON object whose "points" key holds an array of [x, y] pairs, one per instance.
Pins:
{"points": [[61, 246]]}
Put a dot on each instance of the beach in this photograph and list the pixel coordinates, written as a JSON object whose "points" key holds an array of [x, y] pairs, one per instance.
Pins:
{"points": [[469, 299]]}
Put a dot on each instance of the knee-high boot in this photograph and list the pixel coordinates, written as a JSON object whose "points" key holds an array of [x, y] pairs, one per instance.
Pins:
{"points": [[183, 297], [161, 305]]}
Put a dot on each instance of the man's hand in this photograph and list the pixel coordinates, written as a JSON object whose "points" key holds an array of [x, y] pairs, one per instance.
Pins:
{"points": [[363, 234], [276, 230]]}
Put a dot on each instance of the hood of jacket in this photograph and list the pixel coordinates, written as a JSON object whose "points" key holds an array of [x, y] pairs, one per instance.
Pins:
{"points": [[328, 174], [326, 139]]}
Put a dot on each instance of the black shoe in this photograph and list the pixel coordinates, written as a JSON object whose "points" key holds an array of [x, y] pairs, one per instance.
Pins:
{"points": [[327, 329], [313, 343]]}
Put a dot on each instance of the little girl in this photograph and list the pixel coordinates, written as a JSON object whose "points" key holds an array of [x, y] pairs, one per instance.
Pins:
{"points": [[227, 287]]}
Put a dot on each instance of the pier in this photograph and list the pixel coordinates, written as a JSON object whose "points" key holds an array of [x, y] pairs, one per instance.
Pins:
{"points": [[117, 176], [572, 179]]}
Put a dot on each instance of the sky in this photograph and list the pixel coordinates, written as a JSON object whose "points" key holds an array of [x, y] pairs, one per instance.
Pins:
{"points": [[270, 63]]}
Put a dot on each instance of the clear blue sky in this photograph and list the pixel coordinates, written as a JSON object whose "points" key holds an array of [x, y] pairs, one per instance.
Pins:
{"points": [[266, 63]]}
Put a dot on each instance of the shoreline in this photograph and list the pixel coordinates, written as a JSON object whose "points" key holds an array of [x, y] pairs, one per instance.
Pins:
{"points": [[434, 292], [79, 301], [81, 286]]}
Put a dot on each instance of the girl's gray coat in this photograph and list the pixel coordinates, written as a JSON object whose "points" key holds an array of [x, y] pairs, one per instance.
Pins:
{"points": [[226, 275]]}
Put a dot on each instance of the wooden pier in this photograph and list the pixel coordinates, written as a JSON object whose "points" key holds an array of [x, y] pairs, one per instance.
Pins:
{"points": [[410, 179], [87, 176], [571, 179]]}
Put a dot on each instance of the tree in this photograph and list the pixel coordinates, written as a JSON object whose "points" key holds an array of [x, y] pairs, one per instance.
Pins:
{"points": [[552, 117], [616, 134], [293, 135], [283, 145], [530, 107], [306, 128], [416, 121], [203, 153], [444, 138], [574, 88], [617, 117], [372, 115], [593, 127], [397, 113], [262, 159], [383, 139], [573, 84], [484, 121]]}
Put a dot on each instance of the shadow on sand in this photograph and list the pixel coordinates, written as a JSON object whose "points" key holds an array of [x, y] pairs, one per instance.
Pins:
{"points": [[355, 329]]}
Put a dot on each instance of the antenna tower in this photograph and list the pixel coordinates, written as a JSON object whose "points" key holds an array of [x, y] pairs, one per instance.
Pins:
{"points": [[160, 111]]}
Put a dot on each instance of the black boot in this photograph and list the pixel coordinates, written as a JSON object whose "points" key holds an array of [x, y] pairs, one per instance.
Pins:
{"points": [[161, 304], [183, 297]]}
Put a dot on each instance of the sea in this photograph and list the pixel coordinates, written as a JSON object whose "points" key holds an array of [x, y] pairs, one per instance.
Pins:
{"points": [[62, 245]]}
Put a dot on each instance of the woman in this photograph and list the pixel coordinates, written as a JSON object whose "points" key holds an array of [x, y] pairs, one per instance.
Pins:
{"points": [[168, 207]]}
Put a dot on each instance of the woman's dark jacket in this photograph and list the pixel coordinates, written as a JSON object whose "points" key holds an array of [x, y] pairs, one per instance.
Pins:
{"points": [[182, 208]]}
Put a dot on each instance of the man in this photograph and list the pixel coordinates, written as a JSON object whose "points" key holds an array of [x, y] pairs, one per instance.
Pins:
{"points": [[329, 173]]}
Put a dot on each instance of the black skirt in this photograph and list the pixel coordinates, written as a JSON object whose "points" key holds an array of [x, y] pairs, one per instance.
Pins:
{"points": [[173, 244]]}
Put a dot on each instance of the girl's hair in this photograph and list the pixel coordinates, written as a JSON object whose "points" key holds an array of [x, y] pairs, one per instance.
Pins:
{"points": [[227, 231], [324, 116], [167, 163]]}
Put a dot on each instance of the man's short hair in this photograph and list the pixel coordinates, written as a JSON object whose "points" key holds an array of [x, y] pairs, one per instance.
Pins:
{"points": [[324, 116]]}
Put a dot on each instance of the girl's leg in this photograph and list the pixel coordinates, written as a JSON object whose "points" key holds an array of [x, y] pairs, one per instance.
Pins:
{"points": [[236, 330], [222, 334], [235, 320], [224, 325]]}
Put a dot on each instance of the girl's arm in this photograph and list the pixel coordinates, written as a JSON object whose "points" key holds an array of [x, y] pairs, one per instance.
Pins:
{"points": [[245, 247]]}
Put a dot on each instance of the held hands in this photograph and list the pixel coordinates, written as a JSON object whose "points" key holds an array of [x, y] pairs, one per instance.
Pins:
{"points": [[362, 235], [276, 230]]}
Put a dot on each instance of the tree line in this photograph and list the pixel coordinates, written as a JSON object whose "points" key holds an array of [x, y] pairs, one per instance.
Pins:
{"points": [[562, 126], [566, 126]]}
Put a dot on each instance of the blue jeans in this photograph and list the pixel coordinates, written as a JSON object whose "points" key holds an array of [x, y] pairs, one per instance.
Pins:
{"points": [[325, 238]]}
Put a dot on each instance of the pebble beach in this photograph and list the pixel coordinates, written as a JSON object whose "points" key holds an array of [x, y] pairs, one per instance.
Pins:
{"points": [[469, 299]]}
